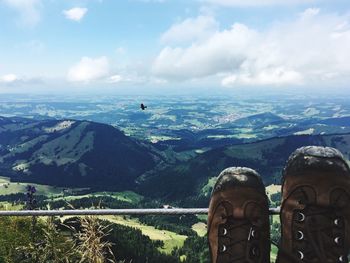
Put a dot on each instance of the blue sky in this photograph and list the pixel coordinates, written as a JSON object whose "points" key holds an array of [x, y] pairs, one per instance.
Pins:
{"points": [[87, 45]]}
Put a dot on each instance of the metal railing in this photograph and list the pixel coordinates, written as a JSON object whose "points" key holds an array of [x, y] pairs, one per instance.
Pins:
{"points": [[86, 212]]}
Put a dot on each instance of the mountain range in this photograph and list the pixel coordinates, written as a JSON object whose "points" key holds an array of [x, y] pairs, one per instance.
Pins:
{"points": [[75, 153], [195, 177]]}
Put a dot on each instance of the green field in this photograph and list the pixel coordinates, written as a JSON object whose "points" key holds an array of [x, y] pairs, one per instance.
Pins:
{"points": [[10, 206], [7, 187], [126, 196], [273, 254], [200, 228], [3, 180], [273, 189], [170, 239]]}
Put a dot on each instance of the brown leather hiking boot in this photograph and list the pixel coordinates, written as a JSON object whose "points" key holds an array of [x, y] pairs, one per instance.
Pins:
{"points": [[315, 211], [238, 220]]}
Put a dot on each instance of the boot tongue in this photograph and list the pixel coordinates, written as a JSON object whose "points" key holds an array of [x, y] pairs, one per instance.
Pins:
{"points": [[254, 213], [339, 198]]}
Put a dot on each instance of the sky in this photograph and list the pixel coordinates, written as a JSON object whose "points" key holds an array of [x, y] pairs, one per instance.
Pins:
{"points": [[120, 45]]}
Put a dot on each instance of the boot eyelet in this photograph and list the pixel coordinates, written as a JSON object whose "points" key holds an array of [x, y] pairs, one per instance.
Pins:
{"points": [[343, 259], [300, 235], [337, 222], [338, 240], [300, 255], [254, 251], [224, 231], [300, 217], [223, 248], [253, 233]]}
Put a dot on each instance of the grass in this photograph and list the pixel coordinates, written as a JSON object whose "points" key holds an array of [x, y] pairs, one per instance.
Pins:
{"points": [[275, 219], [170, 239], [270, 127], [222, 136], [10, 206], [200, 228], [246, 136], [273, 254], [273, 189], [202, 218], [202, 150], [206, 189], [7, 187], [126, 196], [4, 180], [159, 138]]}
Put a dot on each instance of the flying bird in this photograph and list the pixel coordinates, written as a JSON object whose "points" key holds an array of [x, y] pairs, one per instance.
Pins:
{"points": [[143, 107]]}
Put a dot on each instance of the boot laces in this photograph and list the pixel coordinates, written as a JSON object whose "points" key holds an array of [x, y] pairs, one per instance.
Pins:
{"points": [[319, 232], [238, 240]]}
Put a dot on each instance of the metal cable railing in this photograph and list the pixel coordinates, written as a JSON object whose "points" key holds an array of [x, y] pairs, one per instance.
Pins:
{"points": [[86, 212]]}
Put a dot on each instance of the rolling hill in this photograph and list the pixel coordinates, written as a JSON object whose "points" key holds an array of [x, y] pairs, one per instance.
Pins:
{"points": [[261, 119], [74, 153], [196, 176], [71, 153]]}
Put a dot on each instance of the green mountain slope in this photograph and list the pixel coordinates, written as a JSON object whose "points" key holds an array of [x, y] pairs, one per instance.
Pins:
{"points": [[192, 178], [266, 118], [71, 153]]}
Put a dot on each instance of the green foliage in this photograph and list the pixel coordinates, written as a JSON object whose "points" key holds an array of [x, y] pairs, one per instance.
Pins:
{"points": [[87, 202], [129, 244], [178, 224], [276, 199], [92, 244], [50, 247], [14, 233], [275, 229], [195, 250]]}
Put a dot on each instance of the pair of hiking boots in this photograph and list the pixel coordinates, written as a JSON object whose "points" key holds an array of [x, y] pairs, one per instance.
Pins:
{"points": [[314, 215]]}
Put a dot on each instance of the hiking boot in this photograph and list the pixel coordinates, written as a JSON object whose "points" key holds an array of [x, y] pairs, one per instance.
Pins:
{"points": [[238, 220], [315, 211]]}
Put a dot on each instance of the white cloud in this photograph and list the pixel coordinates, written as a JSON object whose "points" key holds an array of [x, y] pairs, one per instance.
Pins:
{"points": [[191, 29], [13, 80], [114, 79], [76, 13], [29, 10], [221, 52], [242, 3], [311, 49], [272, 76], [89, 69], [9, 78], [309, 13]]}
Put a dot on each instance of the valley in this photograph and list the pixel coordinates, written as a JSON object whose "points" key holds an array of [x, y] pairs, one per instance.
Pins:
{"points": [[108, 154]]}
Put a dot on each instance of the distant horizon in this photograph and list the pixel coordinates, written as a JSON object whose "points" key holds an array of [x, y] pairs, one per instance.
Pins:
{"points": [[247, 93]]}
